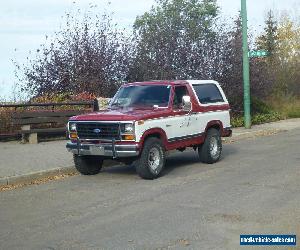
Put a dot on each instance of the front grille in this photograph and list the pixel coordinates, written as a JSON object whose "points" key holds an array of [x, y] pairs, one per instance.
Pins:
{"points": [[108, 131]]}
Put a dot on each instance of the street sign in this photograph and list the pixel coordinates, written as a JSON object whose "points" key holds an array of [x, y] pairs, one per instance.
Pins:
{"points": [[258, 53]]}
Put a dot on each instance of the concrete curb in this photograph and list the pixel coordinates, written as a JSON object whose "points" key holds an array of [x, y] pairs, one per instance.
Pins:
{"points": [[28, 178]]}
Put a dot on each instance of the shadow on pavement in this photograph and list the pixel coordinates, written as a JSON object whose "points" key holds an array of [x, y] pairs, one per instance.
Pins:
{"points": [[120, 169], [175, 161]]}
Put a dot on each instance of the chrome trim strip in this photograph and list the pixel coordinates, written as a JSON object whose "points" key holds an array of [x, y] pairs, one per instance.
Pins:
{"points": [[105, 140], [118, 122], [109, 144], [193, 113], [186, 137], [214, 111], [84, 149]]}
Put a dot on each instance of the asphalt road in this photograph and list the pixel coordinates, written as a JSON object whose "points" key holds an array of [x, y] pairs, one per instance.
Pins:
{"points": [[254, 189]]}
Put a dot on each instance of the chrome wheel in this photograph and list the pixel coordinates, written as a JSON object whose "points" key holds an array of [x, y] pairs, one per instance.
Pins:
{"points": [[154, 159], [214, 147], [211, 150]]}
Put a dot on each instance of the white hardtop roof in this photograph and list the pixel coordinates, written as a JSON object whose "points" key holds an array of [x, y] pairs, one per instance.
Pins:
{"points": [[202, 82]]}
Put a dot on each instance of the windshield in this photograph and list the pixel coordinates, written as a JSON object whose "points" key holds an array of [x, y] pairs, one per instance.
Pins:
{"points": [[142, 96]]}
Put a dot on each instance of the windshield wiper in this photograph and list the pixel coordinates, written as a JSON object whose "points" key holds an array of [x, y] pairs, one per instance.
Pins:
{"points": [[116, 104]]}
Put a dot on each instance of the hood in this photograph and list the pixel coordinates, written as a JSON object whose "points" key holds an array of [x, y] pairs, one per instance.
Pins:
{"points": [[125, 114]]}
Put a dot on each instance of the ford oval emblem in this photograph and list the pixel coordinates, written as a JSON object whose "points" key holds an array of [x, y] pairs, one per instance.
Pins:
{"points": [[97, 130]]}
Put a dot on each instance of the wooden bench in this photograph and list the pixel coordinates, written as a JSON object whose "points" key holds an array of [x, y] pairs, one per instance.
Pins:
{"points": [[25, 117], [28, 118]]}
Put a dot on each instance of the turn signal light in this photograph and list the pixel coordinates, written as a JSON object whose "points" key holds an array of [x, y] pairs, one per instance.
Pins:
{"points": [[73, 135], [128, 137]]}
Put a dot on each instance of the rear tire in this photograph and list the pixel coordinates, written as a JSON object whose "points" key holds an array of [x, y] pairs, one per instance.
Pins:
{"points": [[210, 151], [152, 159], [88, 165]]}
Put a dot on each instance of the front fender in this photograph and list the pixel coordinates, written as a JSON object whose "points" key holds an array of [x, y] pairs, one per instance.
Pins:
{"points": [[155, 132]]}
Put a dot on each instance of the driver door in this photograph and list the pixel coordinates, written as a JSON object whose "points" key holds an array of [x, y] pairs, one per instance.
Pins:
{"points": [[180, 123]]}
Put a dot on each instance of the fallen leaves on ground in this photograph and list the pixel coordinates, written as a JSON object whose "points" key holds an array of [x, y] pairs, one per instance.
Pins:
{"points": [[252, 135], [37, 181]]}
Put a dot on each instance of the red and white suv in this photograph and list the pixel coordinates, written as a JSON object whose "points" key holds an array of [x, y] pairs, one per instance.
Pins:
{"points": [[145, 120]]}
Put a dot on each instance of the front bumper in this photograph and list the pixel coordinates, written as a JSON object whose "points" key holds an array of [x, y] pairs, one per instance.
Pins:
{"points": [[104, 149]]}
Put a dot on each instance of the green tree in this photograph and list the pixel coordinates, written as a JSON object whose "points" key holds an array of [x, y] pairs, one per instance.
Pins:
{"points": [[282, 40], [288, 58], [176, 39], [268, 39]]}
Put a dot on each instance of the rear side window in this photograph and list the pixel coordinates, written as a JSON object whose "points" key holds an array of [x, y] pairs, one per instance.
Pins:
{"points": [[208, 93]]}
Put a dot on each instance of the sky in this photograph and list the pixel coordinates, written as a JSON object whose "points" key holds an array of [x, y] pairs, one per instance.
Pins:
{"points": [[24, 24]]}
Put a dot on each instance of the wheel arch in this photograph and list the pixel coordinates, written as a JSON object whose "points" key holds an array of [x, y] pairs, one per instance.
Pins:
{"points": [[216, 124], [154, 132]]}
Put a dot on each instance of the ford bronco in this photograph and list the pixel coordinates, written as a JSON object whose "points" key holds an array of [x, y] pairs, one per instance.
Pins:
{"points": [[146, 120]]}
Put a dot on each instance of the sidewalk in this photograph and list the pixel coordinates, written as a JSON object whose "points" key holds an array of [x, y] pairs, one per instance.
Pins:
{"points": [[23, 163], [26, 162], [266, 129]]}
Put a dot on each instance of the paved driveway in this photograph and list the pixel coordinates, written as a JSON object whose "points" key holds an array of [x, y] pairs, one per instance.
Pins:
{"points": [[255, 188]]}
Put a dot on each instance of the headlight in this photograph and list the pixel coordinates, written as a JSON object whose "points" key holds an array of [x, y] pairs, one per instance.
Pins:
{"points": [[127, 128], [72, 127]]}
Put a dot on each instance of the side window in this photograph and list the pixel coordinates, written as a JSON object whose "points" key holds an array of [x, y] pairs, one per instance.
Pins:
{"points": [[208, 93], [180, 91]]}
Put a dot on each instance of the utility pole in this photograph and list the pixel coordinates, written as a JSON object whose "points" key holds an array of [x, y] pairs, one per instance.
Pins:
{"points": [[246, 77]]}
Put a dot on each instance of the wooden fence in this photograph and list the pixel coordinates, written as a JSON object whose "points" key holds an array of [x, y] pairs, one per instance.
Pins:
{"points": [[10, 113]]}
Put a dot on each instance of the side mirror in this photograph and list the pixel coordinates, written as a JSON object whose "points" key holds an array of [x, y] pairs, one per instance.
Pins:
{"points": [[186, 103]]}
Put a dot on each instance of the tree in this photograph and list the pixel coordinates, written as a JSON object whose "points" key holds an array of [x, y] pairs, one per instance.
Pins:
{"points": [[232, 77], [177, 40], [89, 54], [263, 72], [288, 58], [282, 40], [268, 39]]}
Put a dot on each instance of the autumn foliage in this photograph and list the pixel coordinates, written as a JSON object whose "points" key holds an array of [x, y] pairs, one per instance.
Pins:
{"points": [[175, 39]]}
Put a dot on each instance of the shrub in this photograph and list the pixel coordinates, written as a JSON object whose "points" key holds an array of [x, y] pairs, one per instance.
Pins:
{"points": [[265, 118], [294, 113], [83, 96], [260, 107], [288, 106], [237, 121], [52, 97], [257, 119]]}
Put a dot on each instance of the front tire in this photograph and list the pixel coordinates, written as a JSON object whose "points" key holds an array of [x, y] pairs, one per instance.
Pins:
{"points": [[88, 165], [210, 151], [152, 159]]}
